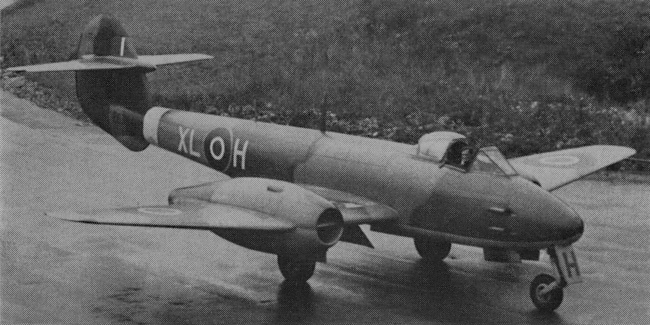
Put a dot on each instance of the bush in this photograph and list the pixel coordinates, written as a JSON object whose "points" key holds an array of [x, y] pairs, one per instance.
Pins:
{"points": [[523, 74]]}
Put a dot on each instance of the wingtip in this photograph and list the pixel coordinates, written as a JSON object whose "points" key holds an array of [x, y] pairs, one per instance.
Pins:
{"points": [[67, 216], [631, 152], [623, 152], [17, 69], [206, 56], [622, 149]]}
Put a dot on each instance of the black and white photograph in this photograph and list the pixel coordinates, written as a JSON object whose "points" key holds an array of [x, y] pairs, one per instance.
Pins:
{"points": [[325, 162]]}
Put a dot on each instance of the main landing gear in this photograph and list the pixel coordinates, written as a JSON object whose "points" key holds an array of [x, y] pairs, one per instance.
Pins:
{"points": [[297, 271], [546, 291], [432, 250]]}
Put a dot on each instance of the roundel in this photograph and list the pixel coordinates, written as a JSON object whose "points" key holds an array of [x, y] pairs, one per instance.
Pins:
{"points": [[160, 211], [560, 160], [218, 148]]}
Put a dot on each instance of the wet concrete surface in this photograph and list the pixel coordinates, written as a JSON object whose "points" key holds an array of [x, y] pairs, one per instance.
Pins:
{"points": [[59, 272]]}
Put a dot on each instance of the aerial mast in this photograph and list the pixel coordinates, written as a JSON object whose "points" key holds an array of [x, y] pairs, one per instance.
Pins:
{"points": [[323, 113]]}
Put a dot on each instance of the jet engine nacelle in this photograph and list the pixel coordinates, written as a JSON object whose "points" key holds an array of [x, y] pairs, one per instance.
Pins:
{"points": [[319, 225]]}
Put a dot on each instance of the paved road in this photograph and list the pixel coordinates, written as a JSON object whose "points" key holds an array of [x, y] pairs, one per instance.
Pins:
{"points": [[58, 272]]}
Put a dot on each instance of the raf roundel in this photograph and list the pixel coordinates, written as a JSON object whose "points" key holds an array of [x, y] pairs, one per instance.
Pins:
{"points": [[560, 160], [160, 211], [218, 148]]}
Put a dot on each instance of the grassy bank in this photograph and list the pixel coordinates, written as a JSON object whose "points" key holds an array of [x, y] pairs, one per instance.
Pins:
{"points": [[527, 75]]}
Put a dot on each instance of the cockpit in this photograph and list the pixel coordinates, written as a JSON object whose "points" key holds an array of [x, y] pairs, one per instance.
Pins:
{"points": [[453, 150]]}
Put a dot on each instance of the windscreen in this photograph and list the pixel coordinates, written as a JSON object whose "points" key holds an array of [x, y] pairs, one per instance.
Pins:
{"points": [[490, 160]]}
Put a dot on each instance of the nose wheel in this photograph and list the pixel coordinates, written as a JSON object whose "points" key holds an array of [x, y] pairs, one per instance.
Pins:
{"points": [[545, 293]]}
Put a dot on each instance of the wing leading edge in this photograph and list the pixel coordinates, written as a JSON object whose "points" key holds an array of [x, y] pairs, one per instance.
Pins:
{"points": [[558, 168], [206, 216]]}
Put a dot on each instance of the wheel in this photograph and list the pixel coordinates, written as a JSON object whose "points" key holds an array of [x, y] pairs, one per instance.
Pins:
{"points": [[549, 301], [296, 270], [431, 249]]}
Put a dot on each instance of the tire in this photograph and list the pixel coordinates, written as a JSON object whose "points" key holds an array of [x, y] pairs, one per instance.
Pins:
{"points": [[550, 301], [296, 270], [432, 250]]}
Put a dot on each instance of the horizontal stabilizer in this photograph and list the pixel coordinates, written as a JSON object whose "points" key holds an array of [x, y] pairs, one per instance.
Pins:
{"points": [[558, 168], [91, 62], [87, 63], [206, 216], [158, 60]]}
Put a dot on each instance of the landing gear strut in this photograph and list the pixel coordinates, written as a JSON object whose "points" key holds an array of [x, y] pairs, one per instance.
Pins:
{"points": [[432, 250], [546, 291], [298, 271]]}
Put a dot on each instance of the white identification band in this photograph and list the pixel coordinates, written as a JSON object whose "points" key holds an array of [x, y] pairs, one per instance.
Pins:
{"points": [[151, 123]]}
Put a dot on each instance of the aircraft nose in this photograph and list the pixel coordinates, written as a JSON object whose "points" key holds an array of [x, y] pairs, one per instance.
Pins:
{"points": [[565, 223], [544, 217]]}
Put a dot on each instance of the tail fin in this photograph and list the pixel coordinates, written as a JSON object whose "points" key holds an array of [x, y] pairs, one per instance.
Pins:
{"points": [[110, 79]]}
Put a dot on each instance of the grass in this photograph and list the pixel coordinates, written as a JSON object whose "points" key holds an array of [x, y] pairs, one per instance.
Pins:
{"points": [[504, 70]]}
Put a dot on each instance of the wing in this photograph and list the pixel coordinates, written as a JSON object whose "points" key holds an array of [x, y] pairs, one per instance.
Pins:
{"points": [[196, 213], [188, 215], [558, 168]]}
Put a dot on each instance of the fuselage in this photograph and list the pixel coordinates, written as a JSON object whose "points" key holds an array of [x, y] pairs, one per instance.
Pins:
{"points": [[483, 207]]}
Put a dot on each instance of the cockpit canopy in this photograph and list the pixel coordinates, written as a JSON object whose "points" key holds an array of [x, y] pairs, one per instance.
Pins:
{"points": [[436, 144], [453, 149]]}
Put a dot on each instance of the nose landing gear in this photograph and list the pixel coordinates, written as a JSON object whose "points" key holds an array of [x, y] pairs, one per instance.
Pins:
{"points": [[546, 291]]}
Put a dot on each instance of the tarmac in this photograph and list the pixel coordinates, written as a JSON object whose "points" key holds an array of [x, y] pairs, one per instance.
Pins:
{"points": [[59, 272]]}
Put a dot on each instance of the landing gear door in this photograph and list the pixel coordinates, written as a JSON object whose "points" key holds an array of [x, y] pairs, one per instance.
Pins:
{"points": [[567, 264]]}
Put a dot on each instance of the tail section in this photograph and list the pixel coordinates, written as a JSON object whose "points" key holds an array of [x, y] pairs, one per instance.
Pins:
{"points": [[115, 99], [111, 79]]}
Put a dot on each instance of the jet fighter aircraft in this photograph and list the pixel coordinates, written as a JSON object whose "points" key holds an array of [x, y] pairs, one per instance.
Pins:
{"points": [[296, 192]]}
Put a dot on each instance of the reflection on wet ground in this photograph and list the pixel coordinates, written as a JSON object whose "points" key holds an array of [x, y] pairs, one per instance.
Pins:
{"points": [[295, 302]]}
